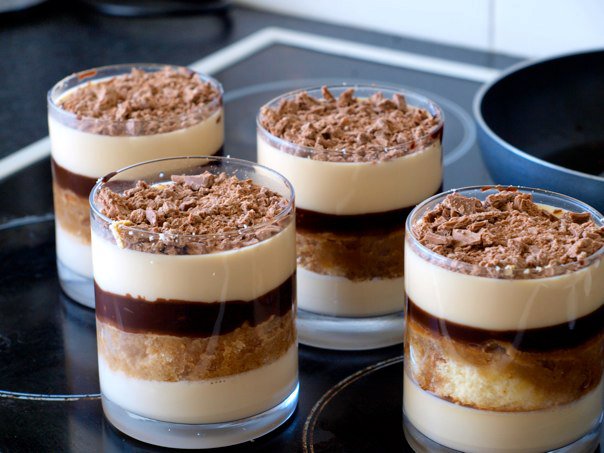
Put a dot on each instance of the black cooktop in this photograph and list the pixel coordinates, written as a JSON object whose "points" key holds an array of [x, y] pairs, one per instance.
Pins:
{"points": [[49, 391]]}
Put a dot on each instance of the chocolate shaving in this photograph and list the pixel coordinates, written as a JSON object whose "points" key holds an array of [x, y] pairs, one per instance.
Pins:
{"points": [[142, 103], [172, 215], [351, 129], [578, 217], [436, 239], [466, 237], [195, 182], [508, 231]]}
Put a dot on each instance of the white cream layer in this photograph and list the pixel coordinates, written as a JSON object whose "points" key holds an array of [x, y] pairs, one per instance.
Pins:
{"points": [[205, 401], [72, 252], [357, 188], [472, 430], [339, 296], [499, 304], [240, 274], [95, 155]]}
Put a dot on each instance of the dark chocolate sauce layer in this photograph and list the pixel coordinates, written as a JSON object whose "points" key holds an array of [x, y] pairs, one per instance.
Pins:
{"points": [[561, 336], [82, 185], [192, 319], [317, 222], [78, 184], [375, 222]]}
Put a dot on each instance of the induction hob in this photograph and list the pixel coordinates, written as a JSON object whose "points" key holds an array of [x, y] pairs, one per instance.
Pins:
{"points": [[350, 401]]}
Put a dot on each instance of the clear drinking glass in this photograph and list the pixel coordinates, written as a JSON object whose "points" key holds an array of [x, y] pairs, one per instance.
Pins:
{"points": [[350, 228], [502, 359], [197, 345], [84, 149]]}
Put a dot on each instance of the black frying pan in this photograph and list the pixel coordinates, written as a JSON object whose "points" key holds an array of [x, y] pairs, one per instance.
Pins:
{"points": [[541, 124]]}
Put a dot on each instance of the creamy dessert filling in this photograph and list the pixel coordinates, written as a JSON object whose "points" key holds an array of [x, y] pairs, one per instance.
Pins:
{"points": [[505, 314], [349, 188], [102, 125], [205, 297], [359, 165]]}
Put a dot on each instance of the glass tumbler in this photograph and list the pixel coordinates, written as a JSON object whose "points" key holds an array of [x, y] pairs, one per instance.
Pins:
{"points": [[350, 227], [84, 149], [197, 345], [503, 359]]}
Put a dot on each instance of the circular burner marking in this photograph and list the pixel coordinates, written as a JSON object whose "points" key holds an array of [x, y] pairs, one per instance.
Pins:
{"points": [[47, 342], [311, 420], [42, 397]]}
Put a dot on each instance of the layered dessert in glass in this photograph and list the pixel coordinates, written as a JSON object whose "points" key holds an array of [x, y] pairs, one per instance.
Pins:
{"points": [[360, 158], [110, 117], [504, 342], [194, 271]]}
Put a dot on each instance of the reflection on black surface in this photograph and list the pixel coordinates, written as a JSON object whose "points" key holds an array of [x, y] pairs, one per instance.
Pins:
{"points": [[47, 346], [363, 413], [79, 343], [27, 193]]}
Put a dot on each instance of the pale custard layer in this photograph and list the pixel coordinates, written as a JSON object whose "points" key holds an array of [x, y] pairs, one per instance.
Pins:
{"points": [[204, 401], [240, 274], [478, 431], [357, 188], [95, 155], [339, 296], [502, 304]]}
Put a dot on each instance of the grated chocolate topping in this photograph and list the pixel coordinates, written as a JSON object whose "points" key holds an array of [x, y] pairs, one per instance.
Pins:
{"points": [[192, 205], [508, 231], [351, 129], [142, 103]]}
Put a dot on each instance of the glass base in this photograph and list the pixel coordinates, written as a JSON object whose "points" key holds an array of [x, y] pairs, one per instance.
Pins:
{"points": [[76, 286], [422, 444], [353, 334], [214, 435]]}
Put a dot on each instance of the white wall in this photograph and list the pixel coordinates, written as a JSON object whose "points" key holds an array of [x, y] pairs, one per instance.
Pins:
{"points": [[519, 27]]}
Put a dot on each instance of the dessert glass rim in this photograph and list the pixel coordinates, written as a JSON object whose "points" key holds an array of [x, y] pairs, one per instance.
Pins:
{"points": [[82, 76], [409, 95], [290, 208], [496, 271]]}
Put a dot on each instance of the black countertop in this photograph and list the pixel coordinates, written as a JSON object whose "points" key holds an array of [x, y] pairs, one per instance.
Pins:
{"points": [[350, 402]]}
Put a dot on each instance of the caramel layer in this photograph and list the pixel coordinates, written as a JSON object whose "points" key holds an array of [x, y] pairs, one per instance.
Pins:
{"points": [[551, 338], [192, 319]]}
